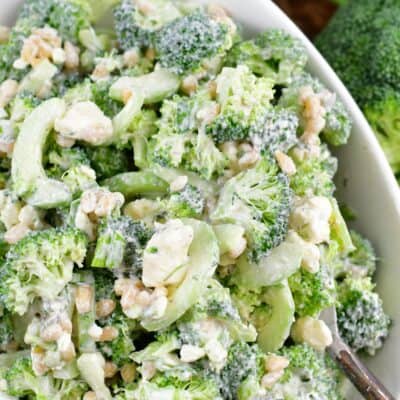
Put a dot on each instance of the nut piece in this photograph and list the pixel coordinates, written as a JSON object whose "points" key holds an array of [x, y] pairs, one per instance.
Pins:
{"points": [[128, 372], [51, 333], [178, 183], [269, 379], [109, 333], [148, 369], [110, 369], [16, 233], [131, 58], [71, 56], [189, 85], [105, 307], [90, 396], [313, 332], [84, 298], [276, 363], [8, 90], [286, 164]]}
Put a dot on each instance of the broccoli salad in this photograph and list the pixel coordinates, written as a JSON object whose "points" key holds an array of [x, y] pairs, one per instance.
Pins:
{"points": [[167, 214]]}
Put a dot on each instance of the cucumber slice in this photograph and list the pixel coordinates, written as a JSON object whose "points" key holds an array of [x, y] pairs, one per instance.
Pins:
{"points": [[276, 329], [282, 262]]}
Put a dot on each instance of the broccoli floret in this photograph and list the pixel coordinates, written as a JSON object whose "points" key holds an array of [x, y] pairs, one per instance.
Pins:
{"points": [[62, 158], [337, 121], [312, 292], [22, 105], [274, 54], [314, 172], [185, 43], [243, 99], [136, 27], [263, 196], [361, 43], [277, 130], [7, 336], [364, 254], [40, 265], [361, 318], [119, 349], [244, 361], [79, 178], [381, 109], [120, 244], [69, 17], [22, 381], [310, 374], [100, 95], [189, 202], [108, 161]]}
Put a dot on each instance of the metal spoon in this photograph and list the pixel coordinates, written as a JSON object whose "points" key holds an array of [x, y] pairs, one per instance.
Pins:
{"points": [[363, 379]]}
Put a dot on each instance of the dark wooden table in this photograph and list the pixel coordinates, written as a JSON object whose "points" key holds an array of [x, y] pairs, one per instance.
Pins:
{"points": [[310, 15]]}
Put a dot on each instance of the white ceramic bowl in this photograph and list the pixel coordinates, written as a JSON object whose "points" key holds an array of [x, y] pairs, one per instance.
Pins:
{"points": [[364, 180]]}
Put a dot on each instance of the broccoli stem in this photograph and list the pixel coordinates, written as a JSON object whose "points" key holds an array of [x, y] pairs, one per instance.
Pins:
{"points": [[155, 86], [132, 184]]}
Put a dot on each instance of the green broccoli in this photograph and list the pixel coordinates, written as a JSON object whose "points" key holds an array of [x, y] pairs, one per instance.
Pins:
{"points": [[22, 105], [136, 28], [185, 43], [273, 54], [243, 99], [312, 293], [7, 332], [277, 130], [361, 42], [311, 374], [23, 382], [337, 121], [259, 199], [314, 172], [189, 202], [108, 161], [244, 362], [120, 244], [362, 321], [99, 93], [40, 265], [61, 159], [119, 350], [181, 141]]}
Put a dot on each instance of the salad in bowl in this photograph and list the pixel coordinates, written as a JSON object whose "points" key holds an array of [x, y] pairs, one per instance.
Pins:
{"points": [[168, 222]]}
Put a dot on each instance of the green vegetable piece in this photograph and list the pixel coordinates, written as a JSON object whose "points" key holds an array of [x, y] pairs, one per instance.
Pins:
{"points": [[203, 259], [34, 81], [273, 331], [281, 262], [339, 232], [28, 176], [155, 86], [132, 184]]}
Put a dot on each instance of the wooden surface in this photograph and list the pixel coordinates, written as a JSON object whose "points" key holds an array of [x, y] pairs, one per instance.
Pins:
{"points": [[310, 15]]}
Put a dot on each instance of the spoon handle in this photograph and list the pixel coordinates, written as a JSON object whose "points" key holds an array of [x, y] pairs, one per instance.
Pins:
{"points": [[362, 378]]}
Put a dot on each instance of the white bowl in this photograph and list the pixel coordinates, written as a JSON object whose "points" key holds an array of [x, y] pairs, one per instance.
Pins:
{"points": [[364, 180]]}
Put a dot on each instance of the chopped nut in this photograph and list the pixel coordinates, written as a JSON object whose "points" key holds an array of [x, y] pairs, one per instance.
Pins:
{"points": [[131, 58], [248, 159], [90, 396], [84, 298], [66, 347], [189, 353], [121, 285], [285, 163], [145, 7], [141, 208], [105, 307], [58, 56], [126, 95], [8, 90], [189, 85], [311, 257], [178, 183], [268, 380], [16, 233], [158, 307], [128, 372], [109, 333], [66, 324], [110, 369], [143, 298], [71, 56], [274, 362], [38, 365], [51, 333]]}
